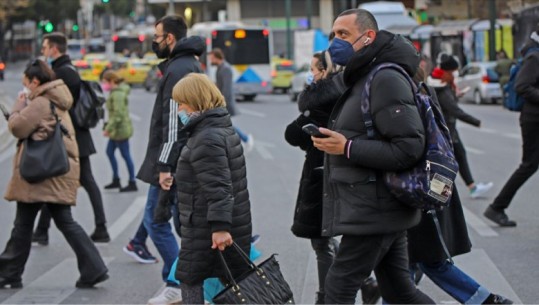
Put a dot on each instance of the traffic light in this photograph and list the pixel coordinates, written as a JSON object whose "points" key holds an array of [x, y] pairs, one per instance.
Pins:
{"points": [[49, 27], [105, 1], [75, 28]]}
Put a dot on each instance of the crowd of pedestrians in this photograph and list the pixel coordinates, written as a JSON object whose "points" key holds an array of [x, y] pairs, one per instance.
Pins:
{"points": [[196, 171]]}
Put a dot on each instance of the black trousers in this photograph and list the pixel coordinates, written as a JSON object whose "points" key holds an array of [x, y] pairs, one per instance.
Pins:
{"points": [[462, 160], [15, 255], [387, 255], [87, 181], [528, 166]]}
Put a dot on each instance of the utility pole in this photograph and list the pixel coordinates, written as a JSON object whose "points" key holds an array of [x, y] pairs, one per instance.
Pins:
{"points": [[492, 32], [171, 9], [288, 9], [309, 7]]}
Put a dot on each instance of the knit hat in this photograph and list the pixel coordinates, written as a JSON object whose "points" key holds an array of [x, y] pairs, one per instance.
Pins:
{"points": [[447, 62]]}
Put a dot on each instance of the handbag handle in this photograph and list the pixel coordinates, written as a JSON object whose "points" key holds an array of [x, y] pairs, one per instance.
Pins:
{"points": [[244, 257]]}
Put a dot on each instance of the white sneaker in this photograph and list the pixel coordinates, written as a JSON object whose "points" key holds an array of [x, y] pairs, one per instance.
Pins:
{"points": [[249, 144], [480, 189], [169, 295]]}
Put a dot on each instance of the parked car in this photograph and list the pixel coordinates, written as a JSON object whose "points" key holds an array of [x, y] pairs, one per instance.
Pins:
{"points": [[299, 81], [152, 79], [483, 83]]}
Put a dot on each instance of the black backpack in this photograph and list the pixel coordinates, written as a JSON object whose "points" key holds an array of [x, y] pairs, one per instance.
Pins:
{"points": [[88, 110]]}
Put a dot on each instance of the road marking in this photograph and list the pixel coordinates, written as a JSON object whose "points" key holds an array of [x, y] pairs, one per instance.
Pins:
{"points": [[53, 287], [135, 117], [127, 217], [509, 135], [480, 267], [262, 148], [252, 113], [474, 151], [478, 224]]}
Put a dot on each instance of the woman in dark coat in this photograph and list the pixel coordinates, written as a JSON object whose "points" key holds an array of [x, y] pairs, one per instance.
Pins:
{"points": [[213, 199], [426, 252], [443, 81]]}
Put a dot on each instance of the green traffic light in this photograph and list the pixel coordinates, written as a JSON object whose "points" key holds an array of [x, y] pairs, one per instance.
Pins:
{"points": [[75, 28], [105, 1], [49, 27]]}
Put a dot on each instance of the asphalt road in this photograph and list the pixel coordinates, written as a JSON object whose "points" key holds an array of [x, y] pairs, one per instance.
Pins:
{"points": [[504, 260]]}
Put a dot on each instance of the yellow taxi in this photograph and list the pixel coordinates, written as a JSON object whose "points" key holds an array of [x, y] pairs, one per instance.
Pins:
{"points": [[86, 71], [97, 63], [133, 71], [282, 74], [151, 59]]}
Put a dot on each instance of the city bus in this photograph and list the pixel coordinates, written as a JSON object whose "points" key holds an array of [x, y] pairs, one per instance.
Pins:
{"points": [[248, 49]]}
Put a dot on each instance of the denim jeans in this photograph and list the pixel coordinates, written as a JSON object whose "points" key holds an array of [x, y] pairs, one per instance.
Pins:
{"points": [[454, 282], [126, 155], [17, 251], [240, 133], [160, 233]]}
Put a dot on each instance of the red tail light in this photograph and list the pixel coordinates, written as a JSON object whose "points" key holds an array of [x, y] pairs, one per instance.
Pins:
{"points": [[2, 66], [273, 73], [264, 84], [486, 79]]}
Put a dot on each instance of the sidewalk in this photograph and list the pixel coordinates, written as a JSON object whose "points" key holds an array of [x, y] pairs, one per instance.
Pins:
{"points": [[6, 139]]}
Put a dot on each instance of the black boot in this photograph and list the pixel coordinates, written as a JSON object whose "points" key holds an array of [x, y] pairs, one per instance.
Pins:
{"points": [[497, 299], [114, 184], [4, 283], [131, 187], [100, 234], [320, 298], [41, 237], [370, 293]]}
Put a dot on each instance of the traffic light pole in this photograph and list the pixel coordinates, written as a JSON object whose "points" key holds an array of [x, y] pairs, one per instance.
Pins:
{"points": [[492, 32]]}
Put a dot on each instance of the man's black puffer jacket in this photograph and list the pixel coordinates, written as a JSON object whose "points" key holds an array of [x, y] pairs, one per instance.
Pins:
{"points": [[212, 196]]}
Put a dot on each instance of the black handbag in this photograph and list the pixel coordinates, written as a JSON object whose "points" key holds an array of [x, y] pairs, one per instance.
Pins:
{"points": [[47, 158], [262, 284]]}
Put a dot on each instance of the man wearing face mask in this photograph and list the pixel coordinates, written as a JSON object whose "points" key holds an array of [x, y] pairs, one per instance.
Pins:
{"points": [[164, 146], [54, 50], [356, 202]]}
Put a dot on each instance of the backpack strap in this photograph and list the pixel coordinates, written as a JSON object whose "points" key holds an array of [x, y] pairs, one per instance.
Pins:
{"points": [[58, 121], [365, 96]]}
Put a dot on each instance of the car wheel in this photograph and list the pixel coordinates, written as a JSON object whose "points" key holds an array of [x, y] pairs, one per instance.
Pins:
{"points": [[477, 97], [249, 97]]}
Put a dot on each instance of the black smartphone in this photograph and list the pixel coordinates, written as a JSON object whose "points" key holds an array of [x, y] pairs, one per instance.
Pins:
{"points": [[313, 131], [4, 111]]}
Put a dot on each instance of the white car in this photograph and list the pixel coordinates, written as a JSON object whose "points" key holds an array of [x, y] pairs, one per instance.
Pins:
{"points": [[482, 81], [299, 81]]}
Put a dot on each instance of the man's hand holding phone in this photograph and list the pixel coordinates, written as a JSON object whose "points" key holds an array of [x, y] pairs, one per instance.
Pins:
{"points": [[328, 141]]}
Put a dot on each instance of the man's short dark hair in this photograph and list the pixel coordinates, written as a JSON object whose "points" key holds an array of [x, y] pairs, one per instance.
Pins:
{"points": [[57, 39], [218, 53], [364, 19], [175, 25]]}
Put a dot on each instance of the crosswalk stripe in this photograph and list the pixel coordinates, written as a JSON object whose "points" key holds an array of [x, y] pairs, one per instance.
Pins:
{"points": [[53, 287], [127, 217], [478, 225]]}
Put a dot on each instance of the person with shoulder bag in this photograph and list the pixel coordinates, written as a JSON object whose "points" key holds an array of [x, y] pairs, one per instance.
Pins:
{"points": [[119, 129], [31, 117]]}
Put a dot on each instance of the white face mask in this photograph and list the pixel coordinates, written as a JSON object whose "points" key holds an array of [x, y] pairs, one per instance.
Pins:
{"points": [[456, 74], [26, 90]]}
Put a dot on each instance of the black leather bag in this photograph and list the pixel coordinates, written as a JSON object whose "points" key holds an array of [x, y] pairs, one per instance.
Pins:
{"points": [[262, 284], [44, 159]]}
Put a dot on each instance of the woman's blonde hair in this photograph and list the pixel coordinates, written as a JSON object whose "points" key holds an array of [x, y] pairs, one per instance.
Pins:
{"points": [[113, 77], [198, 92]]}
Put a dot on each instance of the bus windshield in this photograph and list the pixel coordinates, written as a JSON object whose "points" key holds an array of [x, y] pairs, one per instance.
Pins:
{"points": [[243, 47]]}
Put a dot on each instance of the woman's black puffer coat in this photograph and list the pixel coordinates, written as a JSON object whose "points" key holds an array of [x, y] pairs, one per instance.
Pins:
{"points": [[212, 196], [315, 104]]}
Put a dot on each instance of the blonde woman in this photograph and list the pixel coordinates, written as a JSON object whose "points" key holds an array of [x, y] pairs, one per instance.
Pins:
{"points": [[213, 199], [119, 129]]}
